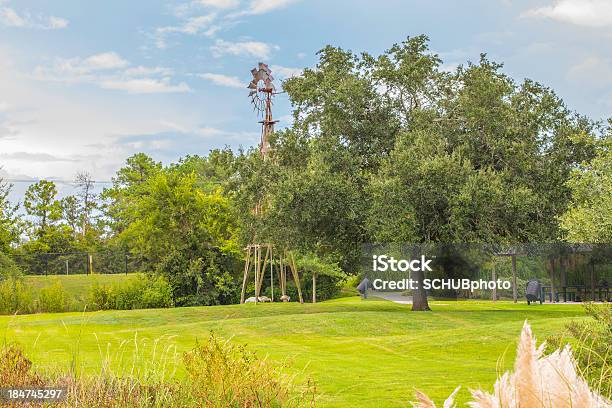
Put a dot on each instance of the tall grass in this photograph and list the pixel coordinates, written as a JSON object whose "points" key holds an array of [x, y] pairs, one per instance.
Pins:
{"points": [[141, 373]]}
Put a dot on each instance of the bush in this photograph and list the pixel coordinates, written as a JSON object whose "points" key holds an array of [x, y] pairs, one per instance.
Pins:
{"points": [[15, 297], [53, 298], [225, 375], [592, 343], [142, 293]]}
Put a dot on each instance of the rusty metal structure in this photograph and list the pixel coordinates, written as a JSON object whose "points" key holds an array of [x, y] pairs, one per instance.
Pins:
{"points": [[261, 257]]}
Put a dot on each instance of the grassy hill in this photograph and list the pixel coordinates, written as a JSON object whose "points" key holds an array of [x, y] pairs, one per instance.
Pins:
{"points": [[360, 353]]}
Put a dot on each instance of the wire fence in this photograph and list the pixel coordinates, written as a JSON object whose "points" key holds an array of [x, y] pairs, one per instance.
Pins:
{"points": [[76, 263]]}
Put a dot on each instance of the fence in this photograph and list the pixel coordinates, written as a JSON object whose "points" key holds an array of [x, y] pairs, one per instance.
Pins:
{"points": [[74, 263]]}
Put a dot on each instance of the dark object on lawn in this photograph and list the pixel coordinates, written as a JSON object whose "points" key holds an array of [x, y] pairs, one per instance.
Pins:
{"points": [[533, 292], [363, 287]]}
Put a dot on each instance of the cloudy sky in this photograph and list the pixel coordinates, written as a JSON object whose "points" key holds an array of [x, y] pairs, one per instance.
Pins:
{"points": [[84, 84]]}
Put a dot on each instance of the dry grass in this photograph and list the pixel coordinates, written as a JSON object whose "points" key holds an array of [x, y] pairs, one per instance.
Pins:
{"points": [[538, 381], [220, 375]]}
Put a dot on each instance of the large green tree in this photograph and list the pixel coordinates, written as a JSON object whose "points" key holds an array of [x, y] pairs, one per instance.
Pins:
{"points": [[185, 234], [589, 217], [10, 221]]}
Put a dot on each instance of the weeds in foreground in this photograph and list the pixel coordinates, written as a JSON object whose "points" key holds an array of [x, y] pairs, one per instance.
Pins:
{"points": [[538, 381], [219, 375], [591, 342]]}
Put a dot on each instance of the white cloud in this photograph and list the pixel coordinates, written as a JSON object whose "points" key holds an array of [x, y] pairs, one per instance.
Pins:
{"points": [[264, 6], [11, 18], [110, 71], [145, 85], [106, 60], [219, 4], [244, 48], [590, 13], [193, 25], [593, 70], [285, 72], [223, 80]]}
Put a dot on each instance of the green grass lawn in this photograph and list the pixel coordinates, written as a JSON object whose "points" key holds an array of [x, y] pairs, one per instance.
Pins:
{"points": [[360, 353]]}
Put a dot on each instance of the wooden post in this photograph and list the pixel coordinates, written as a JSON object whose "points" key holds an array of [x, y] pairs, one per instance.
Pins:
{"points": [[514, 295], [271, 277], [296, 277], [257, 271], [262, 270], [592, 281], [282, 276], [494, 278], [314, 287], [246, 273], [552, 280]]}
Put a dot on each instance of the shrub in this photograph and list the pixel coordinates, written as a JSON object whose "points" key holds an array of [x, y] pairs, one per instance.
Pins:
{"points": [[592, 343], [157, 294], [101, 297], [15, 297], [53, 298], [225, 375], [142, 293]]}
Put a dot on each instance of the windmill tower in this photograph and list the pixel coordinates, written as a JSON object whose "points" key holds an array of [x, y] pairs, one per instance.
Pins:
{"points": [[261, 257]]}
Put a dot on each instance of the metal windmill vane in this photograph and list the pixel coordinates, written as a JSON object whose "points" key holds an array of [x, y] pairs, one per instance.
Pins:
{"points": [[262, 90]]}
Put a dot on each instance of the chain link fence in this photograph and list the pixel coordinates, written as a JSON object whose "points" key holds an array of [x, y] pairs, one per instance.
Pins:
{"points": [[76, 263]]}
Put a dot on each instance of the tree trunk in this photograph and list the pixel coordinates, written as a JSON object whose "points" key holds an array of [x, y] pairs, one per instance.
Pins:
{"points": [[419, 295], [314, 288], [514, 296], [494, 277]]}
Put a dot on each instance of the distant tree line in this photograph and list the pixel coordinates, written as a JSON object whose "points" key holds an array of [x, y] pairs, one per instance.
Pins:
{"points": [[388, 148]]}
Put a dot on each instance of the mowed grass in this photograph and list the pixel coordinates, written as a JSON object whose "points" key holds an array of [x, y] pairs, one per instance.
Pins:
{"points": [[360, 353]]}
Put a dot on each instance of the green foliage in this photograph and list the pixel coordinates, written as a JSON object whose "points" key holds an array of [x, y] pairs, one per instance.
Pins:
{"points": [[591, 341], [329, 276], [10, 223], [589, 218], [39, 202], [146, 292], [53, 298], [186, 235], [222, 374], [16, 297]]}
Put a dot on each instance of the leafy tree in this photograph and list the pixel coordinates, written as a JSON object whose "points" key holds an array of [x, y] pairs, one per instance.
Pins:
{"points": [[128, 187], [87, 200], [10, 222], [40, 203], [589, 217], [186, 235], [70, 213]]}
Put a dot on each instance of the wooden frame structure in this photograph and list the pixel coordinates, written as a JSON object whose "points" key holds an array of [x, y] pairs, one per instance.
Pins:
{"points": [[260, 259]]}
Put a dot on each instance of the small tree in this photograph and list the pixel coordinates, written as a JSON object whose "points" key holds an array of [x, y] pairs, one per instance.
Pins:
{"points": [[311, 264]]}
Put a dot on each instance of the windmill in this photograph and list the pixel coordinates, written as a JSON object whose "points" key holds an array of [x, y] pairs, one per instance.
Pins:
{"points": [[261, 257]]}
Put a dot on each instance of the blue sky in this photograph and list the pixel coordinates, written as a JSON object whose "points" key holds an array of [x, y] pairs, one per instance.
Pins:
{"points": [[85, 84]]}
